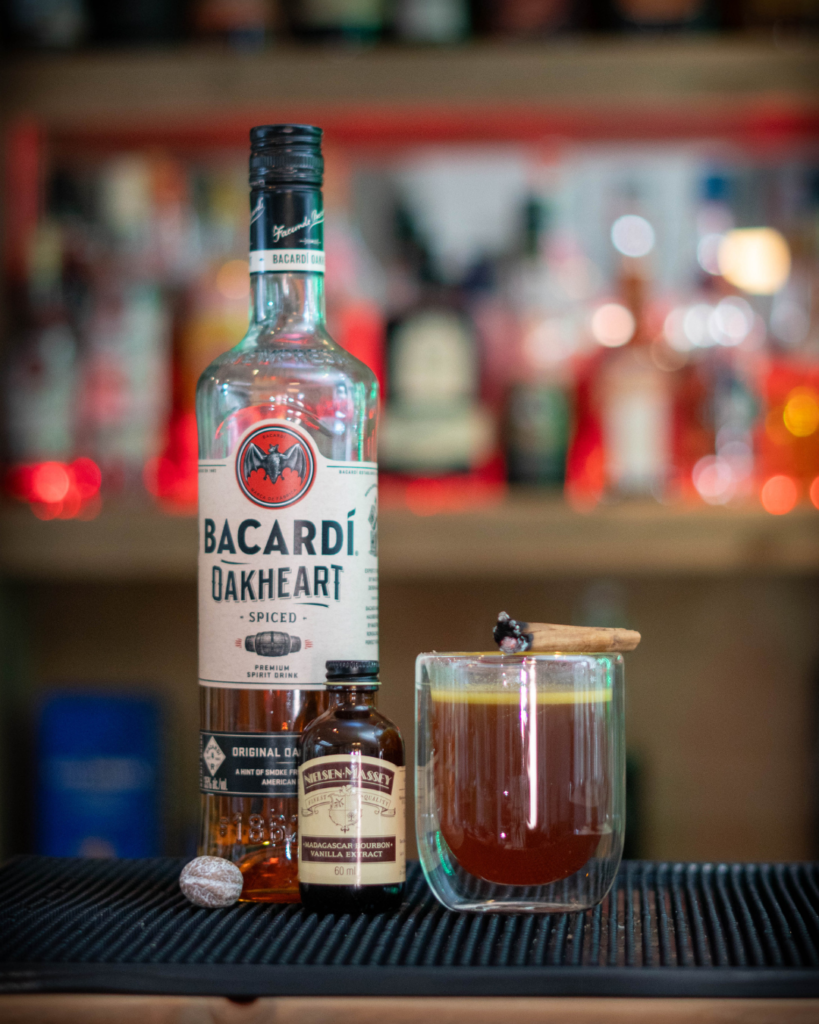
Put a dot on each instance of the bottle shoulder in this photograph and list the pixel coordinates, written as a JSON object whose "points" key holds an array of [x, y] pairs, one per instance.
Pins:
{"points": [[370, 735], [266, 353], [310, 381]]}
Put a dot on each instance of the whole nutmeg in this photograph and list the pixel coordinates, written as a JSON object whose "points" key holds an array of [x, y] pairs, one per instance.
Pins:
{"points": [[211, 882]]}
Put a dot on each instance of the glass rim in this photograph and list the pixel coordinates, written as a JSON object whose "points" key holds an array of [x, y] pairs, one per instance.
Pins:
{"points": [[507, 658]]}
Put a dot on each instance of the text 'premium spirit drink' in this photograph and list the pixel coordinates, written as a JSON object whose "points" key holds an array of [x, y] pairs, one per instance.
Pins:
{"points": [[288, 568]]}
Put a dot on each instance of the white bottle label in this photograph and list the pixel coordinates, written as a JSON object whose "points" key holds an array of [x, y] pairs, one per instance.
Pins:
{"points": [[352, 828], [288, 562]]}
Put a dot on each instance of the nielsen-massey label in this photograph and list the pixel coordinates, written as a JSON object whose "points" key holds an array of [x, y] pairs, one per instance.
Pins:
{"points": [[249, 764], [286, 231], [352, 821], [288, 562]]}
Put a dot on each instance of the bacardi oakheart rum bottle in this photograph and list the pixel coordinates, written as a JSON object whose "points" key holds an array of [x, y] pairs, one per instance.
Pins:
{"points": [[288, 567]]}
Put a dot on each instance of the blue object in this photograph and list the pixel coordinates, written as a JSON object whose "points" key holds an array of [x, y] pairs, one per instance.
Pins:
{"points": [[98, 776]]}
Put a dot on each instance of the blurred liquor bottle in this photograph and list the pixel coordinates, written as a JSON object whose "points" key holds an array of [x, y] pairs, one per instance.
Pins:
{"points": [[435, 422], [689, 339], [92, 369], [527, 19], [793, 319], [655, 15], [216, 285], [432, 21], [45, 313], [241, 23], [41, 376], [125, 388], [171, 475], [785, 295], [538, 414], [207, 302], [146, 23], [351, 21], [788, 434], [43, 24], [634, 396], [726, 334], [355, 287], [783, 15]]}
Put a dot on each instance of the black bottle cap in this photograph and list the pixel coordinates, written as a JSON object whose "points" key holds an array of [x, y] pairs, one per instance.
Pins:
{"points": [[351, 671], [285, 154]]}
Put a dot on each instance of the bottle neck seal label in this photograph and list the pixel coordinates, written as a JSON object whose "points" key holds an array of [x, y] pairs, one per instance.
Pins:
{"points": [[286, 231]]}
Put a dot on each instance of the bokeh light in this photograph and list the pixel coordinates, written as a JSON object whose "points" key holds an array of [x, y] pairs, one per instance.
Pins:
{"points": [[731, 321], [87, 477], [757, 260], [814, 492], [233, 279], [708, 253], [779, 495], [696, 324], [632, 235], [58, 490], [549, 343], [801, 412], [50, 482], [714, 480], [613, 325], [674, 330]]}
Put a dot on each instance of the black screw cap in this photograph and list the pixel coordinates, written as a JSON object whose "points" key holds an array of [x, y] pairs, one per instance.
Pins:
{"points": [[340, 671], [285, 154]]}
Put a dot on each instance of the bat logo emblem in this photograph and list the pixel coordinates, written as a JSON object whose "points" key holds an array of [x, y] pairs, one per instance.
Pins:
{"points": [[275, 466], [274, 463]]}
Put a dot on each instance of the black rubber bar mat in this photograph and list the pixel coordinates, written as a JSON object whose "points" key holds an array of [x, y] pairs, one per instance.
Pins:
{"points": [[665, 930]]}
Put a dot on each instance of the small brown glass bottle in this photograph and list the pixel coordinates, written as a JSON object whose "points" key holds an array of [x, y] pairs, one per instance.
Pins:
{"points": [[352, 799]]}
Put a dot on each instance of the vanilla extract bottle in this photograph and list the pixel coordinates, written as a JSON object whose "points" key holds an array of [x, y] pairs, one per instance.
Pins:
{"points": [[352, 800], [288, 567]]}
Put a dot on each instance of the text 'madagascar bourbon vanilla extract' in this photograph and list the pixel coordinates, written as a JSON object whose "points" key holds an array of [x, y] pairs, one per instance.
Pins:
{"points": [[288, 565]]}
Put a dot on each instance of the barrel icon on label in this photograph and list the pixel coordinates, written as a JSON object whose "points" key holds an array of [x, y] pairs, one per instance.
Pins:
{"points": [[272, 644]]}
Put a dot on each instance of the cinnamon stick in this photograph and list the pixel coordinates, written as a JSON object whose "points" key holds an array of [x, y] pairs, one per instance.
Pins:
{"points": [[514, 636]]}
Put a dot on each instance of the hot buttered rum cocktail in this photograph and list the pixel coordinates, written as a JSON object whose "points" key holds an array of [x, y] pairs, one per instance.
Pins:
{"points": [[520, 769], [521, 782]]}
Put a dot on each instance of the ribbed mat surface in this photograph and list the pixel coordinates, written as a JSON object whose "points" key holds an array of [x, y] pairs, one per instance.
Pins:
{"points": [[664, 929]]}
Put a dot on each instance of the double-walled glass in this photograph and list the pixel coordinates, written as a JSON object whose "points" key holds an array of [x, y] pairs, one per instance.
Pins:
{"points": [[520, 784]]}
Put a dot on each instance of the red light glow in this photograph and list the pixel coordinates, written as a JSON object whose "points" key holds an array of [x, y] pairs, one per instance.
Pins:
{"points": [[87, 477], [779, 495], [56, 490], [814, 492], [46, 510], [173, 477], [50, 482], [427, 497]]}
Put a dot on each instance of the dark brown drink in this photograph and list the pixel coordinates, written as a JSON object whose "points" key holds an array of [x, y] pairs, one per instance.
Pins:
{"points": [[521, 780]]}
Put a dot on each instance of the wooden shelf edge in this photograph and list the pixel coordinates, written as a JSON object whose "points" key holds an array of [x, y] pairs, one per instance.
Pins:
{"points": [[205, 89], [522, 537]]}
